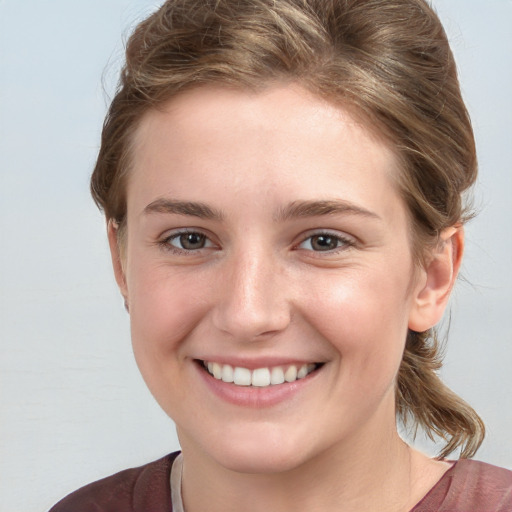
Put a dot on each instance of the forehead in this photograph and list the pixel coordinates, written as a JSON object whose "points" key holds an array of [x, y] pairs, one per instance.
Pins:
{"points": [[269, 107], [282, 141]]}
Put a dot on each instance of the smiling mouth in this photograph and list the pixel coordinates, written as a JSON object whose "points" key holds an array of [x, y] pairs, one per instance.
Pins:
{"points": [[260, 377]]}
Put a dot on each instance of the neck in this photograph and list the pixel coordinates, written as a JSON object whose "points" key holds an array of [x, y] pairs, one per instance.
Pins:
{"points": [[373, 472]]}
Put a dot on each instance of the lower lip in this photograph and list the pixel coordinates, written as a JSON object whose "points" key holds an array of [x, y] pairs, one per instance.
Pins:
{"points": [[254, 396]]}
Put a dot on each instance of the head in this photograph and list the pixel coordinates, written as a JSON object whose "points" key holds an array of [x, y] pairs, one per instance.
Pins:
{"points": [[388, 62]]}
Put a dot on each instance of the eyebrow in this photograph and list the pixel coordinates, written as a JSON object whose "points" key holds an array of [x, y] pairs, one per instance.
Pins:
{"points": [[299, 209], [296, 209], [190, 208]]}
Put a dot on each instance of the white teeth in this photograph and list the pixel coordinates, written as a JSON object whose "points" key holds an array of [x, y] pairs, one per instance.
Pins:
{"points": [[303, 371], [242, 376], [290, 375], [261, 377], [277, 375], [227, 373], [217, 370]]}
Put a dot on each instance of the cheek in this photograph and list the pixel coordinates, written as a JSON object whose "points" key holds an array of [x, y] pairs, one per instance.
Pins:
{"points": [[165, 309], [364, 318], [165, 306]]}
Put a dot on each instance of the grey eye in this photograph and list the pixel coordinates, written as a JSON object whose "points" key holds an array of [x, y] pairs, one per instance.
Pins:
{"points": [[321, 243], [325, 242], [189, 241]]}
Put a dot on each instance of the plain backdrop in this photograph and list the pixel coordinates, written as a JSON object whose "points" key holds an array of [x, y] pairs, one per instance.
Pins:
{"points": [[73, 406]]}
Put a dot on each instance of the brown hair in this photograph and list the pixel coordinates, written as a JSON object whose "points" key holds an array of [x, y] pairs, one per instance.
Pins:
{"points": [[387, 59]]}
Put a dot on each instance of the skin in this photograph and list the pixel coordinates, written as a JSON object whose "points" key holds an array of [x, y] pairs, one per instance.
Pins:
{"points": [[260, 290]]}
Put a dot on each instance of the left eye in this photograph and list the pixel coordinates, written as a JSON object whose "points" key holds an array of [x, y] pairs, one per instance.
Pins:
{"points": [[323, 242], [189, 241]]}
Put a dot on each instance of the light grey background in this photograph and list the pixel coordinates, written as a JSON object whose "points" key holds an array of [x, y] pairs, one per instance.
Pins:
{"points": [[73, 406]]}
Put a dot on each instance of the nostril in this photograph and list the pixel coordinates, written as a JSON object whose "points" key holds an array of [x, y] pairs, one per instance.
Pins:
{"points": [[251, 322]]}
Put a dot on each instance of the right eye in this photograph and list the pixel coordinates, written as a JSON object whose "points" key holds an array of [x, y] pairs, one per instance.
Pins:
{"points": [[187, 241]]}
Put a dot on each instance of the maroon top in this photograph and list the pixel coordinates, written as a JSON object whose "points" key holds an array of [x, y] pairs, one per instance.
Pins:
{"points": [[468, 486]]}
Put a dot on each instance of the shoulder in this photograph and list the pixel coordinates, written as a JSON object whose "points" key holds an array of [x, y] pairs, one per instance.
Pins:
{"points": [[484, 485], [471, 485], [132, 490], [473, 471]]}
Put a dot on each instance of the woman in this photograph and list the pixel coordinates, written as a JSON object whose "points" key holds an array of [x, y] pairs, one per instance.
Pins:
{"points": [[282, 184]]}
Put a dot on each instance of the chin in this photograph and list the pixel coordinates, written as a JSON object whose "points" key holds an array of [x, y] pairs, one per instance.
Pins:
{"points": [[261, 453], [260, 460]]}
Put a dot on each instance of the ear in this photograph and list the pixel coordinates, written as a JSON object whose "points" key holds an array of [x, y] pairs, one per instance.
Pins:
{"points": [[437, 280], [117, 259]]}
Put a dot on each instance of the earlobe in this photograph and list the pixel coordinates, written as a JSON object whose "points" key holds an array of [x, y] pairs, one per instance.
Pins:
{"points": [[117, 259], [432, 294]]}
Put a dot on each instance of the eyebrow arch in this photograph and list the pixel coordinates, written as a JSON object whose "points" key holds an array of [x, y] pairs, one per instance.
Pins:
{"points": [[191, 208], [299, 209]]}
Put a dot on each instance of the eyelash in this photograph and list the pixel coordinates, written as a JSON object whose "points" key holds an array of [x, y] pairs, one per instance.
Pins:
{"points": [[342, 243]]}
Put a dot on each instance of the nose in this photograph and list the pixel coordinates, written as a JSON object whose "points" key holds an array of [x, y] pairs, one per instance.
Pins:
{"points": [[252, 297]]}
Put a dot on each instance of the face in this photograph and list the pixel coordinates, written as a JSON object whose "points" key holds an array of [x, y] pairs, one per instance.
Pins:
{"points": [[269, 275]]}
